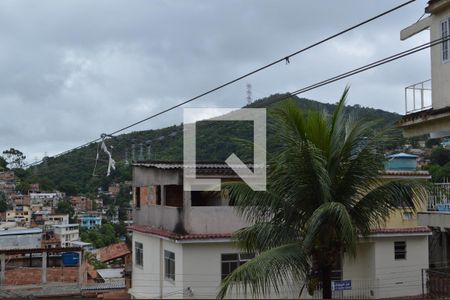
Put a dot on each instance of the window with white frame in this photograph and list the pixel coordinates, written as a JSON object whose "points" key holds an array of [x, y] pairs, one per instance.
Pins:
{"points": [[400, 250], [139, 254], [169, 265], [230, 262], [445, 30], [408, 215]]}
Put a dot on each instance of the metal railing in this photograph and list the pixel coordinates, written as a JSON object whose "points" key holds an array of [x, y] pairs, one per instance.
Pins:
{"points": [[418, 97], [439, 199]]}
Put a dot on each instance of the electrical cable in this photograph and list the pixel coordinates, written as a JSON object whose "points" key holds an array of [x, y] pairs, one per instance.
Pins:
{"points": [[285, 58]]}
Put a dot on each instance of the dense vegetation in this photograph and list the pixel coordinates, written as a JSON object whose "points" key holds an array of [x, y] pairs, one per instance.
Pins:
{"points": [[325, 189], [103, 236], [439, 167], [73, 172]]}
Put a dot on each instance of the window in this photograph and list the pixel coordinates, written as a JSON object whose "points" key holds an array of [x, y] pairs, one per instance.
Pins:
{"points": [[408, 216], [233, 260], [139, 254], [169, 265], [445, 29], [400, 250], [138, 197]]}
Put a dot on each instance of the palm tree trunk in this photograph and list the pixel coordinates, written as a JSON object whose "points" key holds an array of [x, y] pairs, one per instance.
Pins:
{"points": [[326, 282]]}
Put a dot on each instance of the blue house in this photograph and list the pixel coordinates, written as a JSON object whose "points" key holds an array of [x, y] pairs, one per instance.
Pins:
{"points": [[90, 221], [401, 162]]}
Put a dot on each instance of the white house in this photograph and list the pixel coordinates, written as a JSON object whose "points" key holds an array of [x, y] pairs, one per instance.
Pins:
{"points": [[182, 242], [67, 233]]}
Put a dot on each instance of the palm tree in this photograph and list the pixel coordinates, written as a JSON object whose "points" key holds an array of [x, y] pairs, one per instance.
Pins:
{"points": [[324, 192]]}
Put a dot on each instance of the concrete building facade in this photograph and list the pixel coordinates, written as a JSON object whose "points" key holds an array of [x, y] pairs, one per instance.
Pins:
{"points": [[182, 243], [428, 105], [67, 233]]}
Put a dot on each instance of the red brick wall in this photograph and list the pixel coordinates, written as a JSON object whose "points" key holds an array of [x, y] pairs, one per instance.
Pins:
{"points": [[22, 276]]}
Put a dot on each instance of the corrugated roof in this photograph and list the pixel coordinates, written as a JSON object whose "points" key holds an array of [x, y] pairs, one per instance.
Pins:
{"points": [[20, 231], [175, 236], [104, 286], [110, 273], [402, 155], [181, 164], [201, 168]]}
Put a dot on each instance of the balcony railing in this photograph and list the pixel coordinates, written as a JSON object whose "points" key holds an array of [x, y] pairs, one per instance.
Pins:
{"points": [[418, 97], [439, 199]]}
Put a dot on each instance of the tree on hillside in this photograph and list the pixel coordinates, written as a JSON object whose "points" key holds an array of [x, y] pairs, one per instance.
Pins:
{"points": [[324, 189], [3, 164], [14, 158], [100, 237], [3, 202], [440, 156], [64, 207]]}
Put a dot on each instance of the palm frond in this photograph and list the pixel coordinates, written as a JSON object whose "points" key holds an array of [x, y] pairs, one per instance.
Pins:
{"points": [[268, 272]]}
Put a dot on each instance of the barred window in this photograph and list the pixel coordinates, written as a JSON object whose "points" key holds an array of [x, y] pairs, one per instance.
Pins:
{"points": [[400, 250], [445, 29], [139, 254]]}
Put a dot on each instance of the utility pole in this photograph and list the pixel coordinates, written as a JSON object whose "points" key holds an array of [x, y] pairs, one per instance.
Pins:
{"points": [[249, 94]]}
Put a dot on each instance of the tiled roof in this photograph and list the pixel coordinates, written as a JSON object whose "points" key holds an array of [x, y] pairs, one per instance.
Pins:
{"points": [[207, 236], [113, 251], [421, 229], [176, 236]]}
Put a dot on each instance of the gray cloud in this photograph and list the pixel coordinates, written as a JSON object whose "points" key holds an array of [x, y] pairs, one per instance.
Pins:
{"points": [[71, 70]]}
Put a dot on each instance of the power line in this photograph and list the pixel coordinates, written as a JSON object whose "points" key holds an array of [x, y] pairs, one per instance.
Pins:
{"points": [[284, 59], [364, 68]]}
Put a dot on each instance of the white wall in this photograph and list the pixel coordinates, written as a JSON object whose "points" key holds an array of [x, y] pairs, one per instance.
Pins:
{"points": [[376, 274], [440, 71], [202, 269], [361, 271], [147, 281], [197, 266], [400, 277]]}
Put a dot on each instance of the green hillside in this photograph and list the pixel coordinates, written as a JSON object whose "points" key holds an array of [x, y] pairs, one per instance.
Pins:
{"points": [[73, 172]]}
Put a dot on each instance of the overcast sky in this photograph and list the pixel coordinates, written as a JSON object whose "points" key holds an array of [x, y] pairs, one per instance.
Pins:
{"points": [[71, 70]]}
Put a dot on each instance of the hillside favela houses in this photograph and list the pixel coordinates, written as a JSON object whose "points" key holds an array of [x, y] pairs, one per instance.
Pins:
{"points": [[182, 240], [41, 252]]}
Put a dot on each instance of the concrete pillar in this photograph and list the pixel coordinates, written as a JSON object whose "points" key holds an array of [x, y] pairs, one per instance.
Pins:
{"points": [[161, 269], [81, 268], [163, 195], [44, 268], [3, 269], [187, 207]]}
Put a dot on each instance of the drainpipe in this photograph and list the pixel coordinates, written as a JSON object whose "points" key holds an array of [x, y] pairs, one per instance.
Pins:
{"points": [[161, 268]]}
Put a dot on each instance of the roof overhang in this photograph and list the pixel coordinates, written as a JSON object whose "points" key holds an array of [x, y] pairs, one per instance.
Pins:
{"points": [[182, 238], [425, 122]]}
